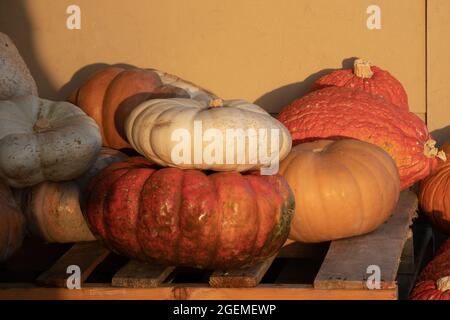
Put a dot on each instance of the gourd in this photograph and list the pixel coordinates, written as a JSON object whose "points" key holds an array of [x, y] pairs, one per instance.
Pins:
{"points": [[342, 188], [173, 132], [15, 78], [45, 140], [365, 76], [335, 113], [434, 195], [434, 280], [187, 217], [110, 94], [12, 223], [53, 209]]}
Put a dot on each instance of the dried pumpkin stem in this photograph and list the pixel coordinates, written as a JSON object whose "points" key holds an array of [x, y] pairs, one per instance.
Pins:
{"points": [[443, 284], [362, 68], [215, 103], [430, 150], [41, 124]]}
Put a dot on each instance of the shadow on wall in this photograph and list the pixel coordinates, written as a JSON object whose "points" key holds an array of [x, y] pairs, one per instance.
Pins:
{"points": [[15, 22], [276, 99], [441, 135]]}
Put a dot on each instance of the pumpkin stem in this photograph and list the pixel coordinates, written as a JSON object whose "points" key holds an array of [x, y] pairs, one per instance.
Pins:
{"points": [[361, 68], [443, 284], [441, 155], [430, 150], [215, 103], [41, 124]]}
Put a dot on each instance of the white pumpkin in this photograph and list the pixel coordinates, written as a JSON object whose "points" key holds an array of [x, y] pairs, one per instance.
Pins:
{"points": [[45, 140], [193, 134]]}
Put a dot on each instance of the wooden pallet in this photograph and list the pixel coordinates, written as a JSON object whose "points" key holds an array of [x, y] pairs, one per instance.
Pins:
{"points": [[336, 270]]}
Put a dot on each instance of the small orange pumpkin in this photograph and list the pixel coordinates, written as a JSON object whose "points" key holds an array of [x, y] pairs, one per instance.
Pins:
{"points": [[434, 195]]}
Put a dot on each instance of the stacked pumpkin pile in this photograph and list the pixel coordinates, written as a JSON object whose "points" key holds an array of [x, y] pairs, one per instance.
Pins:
{"points": [[356, 146]]}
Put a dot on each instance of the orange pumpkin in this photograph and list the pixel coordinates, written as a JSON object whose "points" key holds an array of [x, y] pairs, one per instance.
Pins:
{"points": [[434, 195], [342, 188], [110, 94], [12, 223]]}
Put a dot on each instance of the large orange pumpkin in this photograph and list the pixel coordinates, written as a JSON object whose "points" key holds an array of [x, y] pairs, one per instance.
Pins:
{"points": [[434, 195], [110, 94], [186, 217], [342, 188], [334, 112], [371, 79]]}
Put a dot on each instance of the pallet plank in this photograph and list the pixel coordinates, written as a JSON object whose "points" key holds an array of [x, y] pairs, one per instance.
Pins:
{"points": [[141, 275], [86, 255], [193, 292], [345, 265], [240, 278]]}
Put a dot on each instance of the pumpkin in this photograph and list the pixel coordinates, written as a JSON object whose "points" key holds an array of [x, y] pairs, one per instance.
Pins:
{"points": [[12, 224], [434, 195], [369, 78], [333, 113], [110, 94], [53, 209], [434, 280], [45, 140], [342, 188], [15, 78], [152, 126], [187, 217]]}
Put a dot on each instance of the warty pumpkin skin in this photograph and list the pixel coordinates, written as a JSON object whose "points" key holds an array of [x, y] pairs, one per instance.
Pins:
{"points": [[188, 218], [45, 140], [110, 94], [342, 188], [150, 126], [333, 112], [12, 223], [434, 280], [369, 78], [53, 209]]}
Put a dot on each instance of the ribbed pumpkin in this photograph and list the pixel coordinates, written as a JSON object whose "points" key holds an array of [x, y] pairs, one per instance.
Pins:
{"points": [[53, 209], [43, 140], [369, 78], [434, 195], [342, 188], [434, 280], [110, 94], [335, 113], [12, 223], [189, 218], [152, 126]]}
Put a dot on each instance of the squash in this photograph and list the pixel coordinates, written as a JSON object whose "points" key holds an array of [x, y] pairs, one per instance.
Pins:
{"points": [[369, 78], [152, 128], [342, 188], [188, 218], [334, 113], [434, 196], [110, 94], [45, 140], [12, 223], [15, 78], [434, 280], [53, 209]]}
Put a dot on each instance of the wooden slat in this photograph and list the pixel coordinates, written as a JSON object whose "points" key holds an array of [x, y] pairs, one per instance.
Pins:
{"points": [[141, 275], [240, 278], [86, 255], [345, 265], [407, 258], [192, 292]]}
